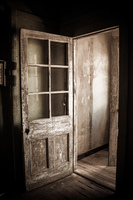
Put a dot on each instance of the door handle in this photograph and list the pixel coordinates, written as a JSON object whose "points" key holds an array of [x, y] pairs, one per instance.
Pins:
{"points": [[27, 131]]}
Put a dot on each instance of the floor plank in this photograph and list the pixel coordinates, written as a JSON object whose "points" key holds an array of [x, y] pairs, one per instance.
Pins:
{"points": [[95, 167], [73, 187]]}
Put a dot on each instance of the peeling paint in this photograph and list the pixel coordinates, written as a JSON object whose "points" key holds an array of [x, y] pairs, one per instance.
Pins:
{"points": [[48, 147]]}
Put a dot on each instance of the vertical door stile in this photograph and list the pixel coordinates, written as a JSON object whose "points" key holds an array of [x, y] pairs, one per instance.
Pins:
{"points": [[49, 61]]}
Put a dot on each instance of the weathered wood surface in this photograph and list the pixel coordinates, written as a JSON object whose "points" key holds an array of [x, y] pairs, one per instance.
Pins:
{"points": [[95, 168], [114, 97], [48, 147], [73, 187]]}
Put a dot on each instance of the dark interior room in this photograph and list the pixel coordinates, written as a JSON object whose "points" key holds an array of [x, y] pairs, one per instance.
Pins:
{"points": [[75, 63]]}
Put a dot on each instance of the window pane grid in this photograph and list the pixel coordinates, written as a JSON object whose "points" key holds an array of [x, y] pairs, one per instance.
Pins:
{"points": [[48, 82]]}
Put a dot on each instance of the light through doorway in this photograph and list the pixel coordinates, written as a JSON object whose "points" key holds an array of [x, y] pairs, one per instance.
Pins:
{"points": [[96, 103]]}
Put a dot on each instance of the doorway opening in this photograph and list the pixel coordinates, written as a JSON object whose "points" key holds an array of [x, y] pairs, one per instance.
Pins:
{"points": [[96, 103]]}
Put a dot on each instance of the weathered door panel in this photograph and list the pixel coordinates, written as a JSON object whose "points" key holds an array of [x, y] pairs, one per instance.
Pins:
{"points": [[46, 107]]}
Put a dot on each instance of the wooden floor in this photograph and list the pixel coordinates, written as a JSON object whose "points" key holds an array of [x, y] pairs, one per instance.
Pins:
{"points": [[73, 187], [87, 183], [95, 167]]}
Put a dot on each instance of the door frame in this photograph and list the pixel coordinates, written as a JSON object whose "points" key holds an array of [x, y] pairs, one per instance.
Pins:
{"points": [[75, 113]]}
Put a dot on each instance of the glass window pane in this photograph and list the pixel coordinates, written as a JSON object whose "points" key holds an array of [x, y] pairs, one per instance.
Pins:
{"points": [[38, 79], [59, 79], [59, 53], [37, 51], [38, 106], [59, 104]]}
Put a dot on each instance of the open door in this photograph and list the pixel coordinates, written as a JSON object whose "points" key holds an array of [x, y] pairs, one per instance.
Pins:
{"points": [[47, 106]]}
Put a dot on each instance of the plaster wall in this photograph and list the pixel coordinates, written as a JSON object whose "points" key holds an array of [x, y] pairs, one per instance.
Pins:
{"points": [[92, 90], [100, 90]]}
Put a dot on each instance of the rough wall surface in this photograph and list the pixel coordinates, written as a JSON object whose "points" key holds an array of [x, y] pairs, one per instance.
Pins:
{"points": [[92, 62], [83, 107], [100, 90]]}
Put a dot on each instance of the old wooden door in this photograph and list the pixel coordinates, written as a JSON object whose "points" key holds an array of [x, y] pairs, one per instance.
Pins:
{"points": [[46, 94]]}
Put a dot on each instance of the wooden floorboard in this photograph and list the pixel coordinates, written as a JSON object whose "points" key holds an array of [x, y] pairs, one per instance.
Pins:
{"points": [[93, 179], [73, 187], [95, 167]]}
